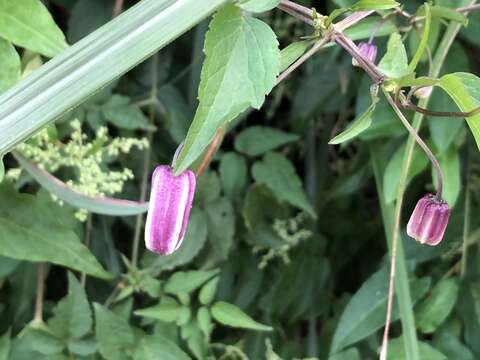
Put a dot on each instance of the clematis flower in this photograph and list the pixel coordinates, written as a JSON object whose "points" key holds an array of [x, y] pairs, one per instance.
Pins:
{"points": [[368, 51], [429, 220], [171, 198]]}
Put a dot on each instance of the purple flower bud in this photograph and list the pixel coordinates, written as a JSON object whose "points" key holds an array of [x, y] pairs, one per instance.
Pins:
{"points": [[171, 198], [429, 220], [368, 51]]}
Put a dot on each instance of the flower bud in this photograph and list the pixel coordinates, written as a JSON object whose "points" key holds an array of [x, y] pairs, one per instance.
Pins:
{"points": [[429, 220], [171, 198], [368, 51], [423, 92]]}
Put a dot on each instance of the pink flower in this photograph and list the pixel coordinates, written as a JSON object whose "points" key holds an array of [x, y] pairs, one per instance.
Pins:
{"points": [[429, 220], [171, 198], [368, 51]]}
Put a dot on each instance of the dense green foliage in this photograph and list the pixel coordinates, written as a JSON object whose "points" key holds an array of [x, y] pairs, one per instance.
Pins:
{"points": [[286, 254]]}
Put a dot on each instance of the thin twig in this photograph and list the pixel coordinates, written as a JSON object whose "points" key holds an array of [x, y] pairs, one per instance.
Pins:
{"points": [[212, 149], [146, 163], [86, 241], [117, 9], [318, 45], [38, 316]]}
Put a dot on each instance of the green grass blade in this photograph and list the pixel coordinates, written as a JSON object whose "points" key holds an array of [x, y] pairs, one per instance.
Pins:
{"points": [[69, 78]]}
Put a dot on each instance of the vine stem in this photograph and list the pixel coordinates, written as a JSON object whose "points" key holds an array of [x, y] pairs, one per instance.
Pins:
{"points": [[147, 159], [117, 9], [38, 315], [439, 58]]}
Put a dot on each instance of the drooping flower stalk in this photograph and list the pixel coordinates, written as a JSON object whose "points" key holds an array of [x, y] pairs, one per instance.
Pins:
{"points": [[171, 198]]}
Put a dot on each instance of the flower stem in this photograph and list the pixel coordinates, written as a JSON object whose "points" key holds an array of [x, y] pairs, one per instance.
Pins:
{"points": [[146, 163], [38, 316], [212, 149], [117, 9], [420, 142]]}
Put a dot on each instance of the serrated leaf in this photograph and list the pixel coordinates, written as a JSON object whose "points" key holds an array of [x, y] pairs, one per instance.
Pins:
{"points": [[187, 281], [221, 226], [374, 5], [32, 230], [291, 53], [258, 6], [9, 66], [257, 140], [208, 291], [358, 126], [72, 317], [394, 63], [240, 68], [98, 205], [114, 334], [120, 112], [31, 26], [277, 173], [231, 315], [434, 310], [157, 347], [464, 89], [233, 174], [172, 312], [365, 312]]}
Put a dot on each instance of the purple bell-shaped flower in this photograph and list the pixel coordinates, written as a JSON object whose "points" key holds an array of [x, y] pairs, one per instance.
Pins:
{"points": [[171, 198], [429, 220], [368, 51]]}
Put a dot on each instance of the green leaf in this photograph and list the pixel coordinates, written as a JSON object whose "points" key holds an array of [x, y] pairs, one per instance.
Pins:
{"points": [[94, 62], [233, 174], [208, 291], [5, 346], [394, 167], [114, 334], [424, 40], [193, 242], [172, 312], [257, 140], [258, 6], [43, 341], [72, 317], [358, 126], [278, 174], [240, 68], [350, 354], [204, 320], [98, 205], [396, 351], [230, 315], [157, 347], [83, 347], [450, 164], [31, 26], [449, 14], [221, 226], [9, 66], [120, 112], [31, 230], [394, 63], [365, 312], [374, 5], [291, 53], [187, 281], [450, 345], [364, 28], [464, 89], [434, 310]]}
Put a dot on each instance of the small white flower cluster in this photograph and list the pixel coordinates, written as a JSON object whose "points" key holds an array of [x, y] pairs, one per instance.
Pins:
{"points": [[87, 159], [291, 233]]}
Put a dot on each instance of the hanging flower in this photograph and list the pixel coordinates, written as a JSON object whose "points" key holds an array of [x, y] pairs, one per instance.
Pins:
{"points": [[171, 198], [368, 51], [429, 220]]}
